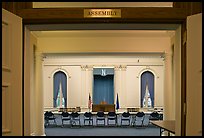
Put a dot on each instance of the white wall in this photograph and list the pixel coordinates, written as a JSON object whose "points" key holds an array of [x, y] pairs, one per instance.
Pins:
{"points": [[100, 43], [134, 81], [73, 80], [107, 41], [127, 79]]}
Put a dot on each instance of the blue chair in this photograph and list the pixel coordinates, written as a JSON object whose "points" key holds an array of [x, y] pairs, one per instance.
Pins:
{"points": [[139, 117], [125, 117], [88, 116], [112, 116], [65, 116], [100, 117], [75, 118], [49, 117]]}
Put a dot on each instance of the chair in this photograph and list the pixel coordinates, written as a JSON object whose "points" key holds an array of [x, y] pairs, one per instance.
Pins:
{"points": [[100, 117], [49, 116], [65, 117], [112, 116], [154, 116], [139, 117], [75, 118], [88, 116], [125, 117]]}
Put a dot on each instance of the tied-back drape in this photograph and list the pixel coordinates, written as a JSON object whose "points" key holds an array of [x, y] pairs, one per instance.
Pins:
{"points": [[147, 78], [60, 77]]}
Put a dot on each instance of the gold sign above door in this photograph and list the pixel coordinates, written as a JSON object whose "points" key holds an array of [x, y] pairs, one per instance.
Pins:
{"points": [[102, 13]]}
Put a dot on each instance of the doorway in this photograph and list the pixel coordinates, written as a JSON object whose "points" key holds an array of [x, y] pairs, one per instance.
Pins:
{"points": [[123, 27]]}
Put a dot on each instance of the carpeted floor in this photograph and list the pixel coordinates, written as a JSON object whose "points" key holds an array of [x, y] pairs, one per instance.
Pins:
{"points": [[54, 130], [99, 131]]}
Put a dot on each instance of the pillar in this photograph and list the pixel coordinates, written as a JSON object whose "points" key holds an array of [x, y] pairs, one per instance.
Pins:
{"points": [[38, 94], [87, 84], [169, 97], [120, 85]]}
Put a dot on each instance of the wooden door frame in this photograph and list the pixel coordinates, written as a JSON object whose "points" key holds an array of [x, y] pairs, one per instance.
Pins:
{"points": [[178, 15]]}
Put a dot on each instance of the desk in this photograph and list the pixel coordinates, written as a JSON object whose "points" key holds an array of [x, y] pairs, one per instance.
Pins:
{"points": [[103, 107], [168, 125]]}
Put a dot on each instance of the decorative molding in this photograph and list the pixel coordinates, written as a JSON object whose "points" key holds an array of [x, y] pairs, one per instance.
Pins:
{"points": [[167, 56], [147, 69], [86, 67], [59, 68], [38, 56], [120, 67]]}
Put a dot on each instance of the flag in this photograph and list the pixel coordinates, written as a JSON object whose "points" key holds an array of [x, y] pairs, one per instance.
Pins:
{"points": [[117, 102], [89, 102]]}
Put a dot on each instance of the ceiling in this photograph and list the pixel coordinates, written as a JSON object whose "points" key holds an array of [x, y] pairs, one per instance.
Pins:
{"points": [[100, 4]]}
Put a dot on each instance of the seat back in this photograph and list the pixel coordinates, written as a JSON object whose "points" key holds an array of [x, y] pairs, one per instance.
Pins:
{"points": [[49, 114], [140, 114], [75, 114], [111, 114], [126, 114], [65, 114], [88, 114], [100, 114], [154, 116]]}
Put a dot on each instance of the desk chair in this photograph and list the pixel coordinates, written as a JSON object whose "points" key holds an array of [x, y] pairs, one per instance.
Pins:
{"points": [[154, 116], [88, 116], [139, 117], [75, 118], [125, 117], [112, 116], [65, 116], [100, 117], [49, 117]]}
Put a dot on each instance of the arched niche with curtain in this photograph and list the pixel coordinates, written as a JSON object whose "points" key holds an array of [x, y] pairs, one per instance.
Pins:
{"points": [[60, 89], [147, 89]]}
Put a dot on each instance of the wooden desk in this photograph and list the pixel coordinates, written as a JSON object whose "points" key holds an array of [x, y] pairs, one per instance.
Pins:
{"points": [[168, 125], [103, 107]]}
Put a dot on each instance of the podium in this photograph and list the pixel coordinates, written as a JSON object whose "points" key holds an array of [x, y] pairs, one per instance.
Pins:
{"points": [[103, 107]]}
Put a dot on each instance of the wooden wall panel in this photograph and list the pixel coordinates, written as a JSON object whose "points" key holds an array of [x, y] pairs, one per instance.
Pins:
{"points": [[190, 7], [14, 7], [75, 15]]}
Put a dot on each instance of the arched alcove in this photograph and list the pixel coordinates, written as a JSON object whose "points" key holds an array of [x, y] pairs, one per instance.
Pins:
{"points": [[147, 89], [59, 89]]}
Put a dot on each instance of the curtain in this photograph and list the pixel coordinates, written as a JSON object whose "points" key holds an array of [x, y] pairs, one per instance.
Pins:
{"points": [[143, 84], [64, 87], [60, 77], [56, 88], [103, 89], [147, 77]]}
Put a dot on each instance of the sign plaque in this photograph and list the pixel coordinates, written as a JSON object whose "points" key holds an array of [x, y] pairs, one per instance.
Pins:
{"points": [[102, 13]]}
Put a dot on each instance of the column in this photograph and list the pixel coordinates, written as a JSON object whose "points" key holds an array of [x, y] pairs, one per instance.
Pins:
{"points": [[120, 85], [87, 84], [83, 87], [117, 86], [123, 85], [169, 97], [89, 81], [38, 101]]}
